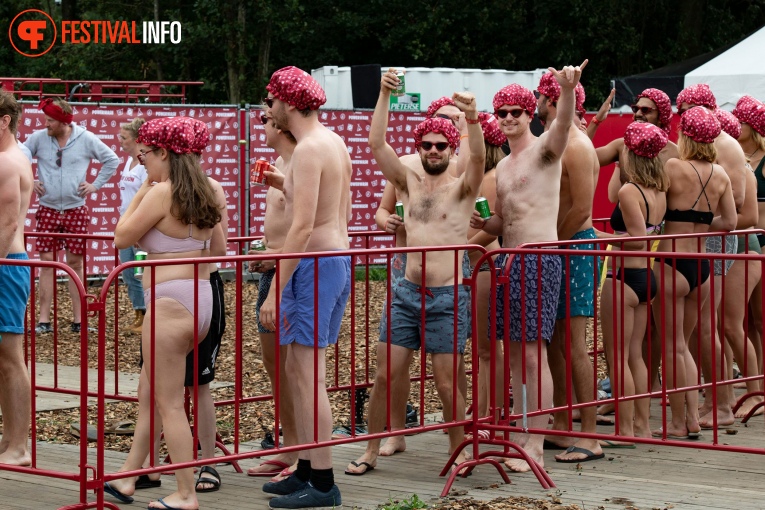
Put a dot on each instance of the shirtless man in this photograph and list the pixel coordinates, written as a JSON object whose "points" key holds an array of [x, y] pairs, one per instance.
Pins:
{"points": [[577, 189], [387, 219], [317, 193], [528, 188], [16, 184], [275, 227], [731, 157], [438, 207]]}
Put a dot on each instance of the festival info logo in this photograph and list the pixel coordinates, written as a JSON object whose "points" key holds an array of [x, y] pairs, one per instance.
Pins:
{"points": [[33, 32]]}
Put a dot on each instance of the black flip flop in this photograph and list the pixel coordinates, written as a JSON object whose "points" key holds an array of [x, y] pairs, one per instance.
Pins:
{"points": [[123, 498], [215, 482], [575, 449], [369, 468], [144, 482]]}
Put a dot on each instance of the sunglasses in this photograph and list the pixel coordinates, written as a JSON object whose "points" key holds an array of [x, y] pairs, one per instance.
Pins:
{"points": [[59, 153], [268, 101], [504, 113], [645, 110], [264, 119], [142, 155], [440, 146]]}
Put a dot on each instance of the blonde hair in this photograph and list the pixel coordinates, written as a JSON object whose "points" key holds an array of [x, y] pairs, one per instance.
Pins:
{"points": [[758, 139], [62, 104], [646, 171], [133, 126], [494, 155], [690, 149]]}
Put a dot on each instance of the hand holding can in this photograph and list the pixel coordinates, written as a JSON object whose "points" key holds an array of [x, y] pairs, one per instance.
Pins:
{"points": [[482, 206], [258, 172], [138, 270]]}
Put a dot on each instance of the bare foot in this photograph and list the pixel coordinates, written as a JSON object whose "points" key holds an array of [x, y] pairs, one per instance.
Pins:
{"points": [[606, 409], [562, 441], [748, 406], [724, 418], [521, 466], [16, 458], [392, 446], [365, 463], [174, 500]]}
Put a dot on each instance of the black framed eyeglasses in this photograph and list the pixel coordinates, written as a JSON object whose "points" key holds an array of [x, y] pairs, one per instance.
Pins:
{"points": [[440, 146], [504, 113], [268, 101], [645, 110], [264, 119], [59, 153], [142, 155]]}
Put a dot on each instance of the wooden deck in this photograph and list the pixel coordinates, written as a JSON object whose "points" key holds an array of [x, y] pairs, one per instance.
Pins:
{"points": [[648, 477]]}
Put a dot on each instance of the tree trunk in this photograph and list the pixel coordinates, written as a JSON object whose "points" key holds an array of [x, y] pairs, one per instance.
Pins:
{"points": [[264, 50]]}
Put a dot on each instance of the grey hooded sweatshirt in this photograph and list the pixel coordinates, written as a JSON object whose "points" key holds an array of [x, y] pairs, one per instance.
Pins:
{"points": [[61, 183]]}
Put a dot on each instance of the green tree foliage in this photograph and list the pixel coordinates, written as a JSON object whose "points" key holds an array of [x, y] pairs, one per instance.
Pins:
{"points": [[234, 45]]}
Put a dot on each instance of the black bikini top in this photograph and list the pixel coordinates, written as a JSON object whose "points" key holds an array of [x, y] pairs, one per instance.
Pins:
{"points": [[691, 215], [617, 220], [760, 181]]}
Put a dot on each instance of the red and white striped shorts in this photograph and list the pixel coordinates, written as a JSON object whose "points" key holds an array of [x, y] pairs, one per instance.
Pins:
{"points": [[72, 221]]}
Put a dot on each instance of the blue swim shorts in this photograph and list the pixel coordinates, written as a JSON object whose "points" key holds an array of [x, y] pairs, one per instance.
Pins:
{"points": [[406, 318], [14, 293], [539, 321], [297, 311], [582, 279]]}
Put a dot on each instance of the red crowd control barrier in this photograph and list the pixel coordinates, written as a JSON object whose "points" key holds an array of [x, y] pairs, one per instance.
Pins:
{"points": [[515, 411]]}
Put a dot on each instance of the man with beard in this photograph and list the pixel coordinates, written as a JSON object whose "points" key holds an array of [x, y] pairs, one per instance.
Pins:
{"points": [[577, 189], [317, 193], [387, 219], [437, 209], [528, 187]]}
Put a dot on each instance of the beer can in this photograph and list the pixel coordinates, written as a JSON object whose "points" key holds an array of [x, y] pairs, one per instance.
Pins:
{"points": [[257, 245], [482, 206], [400, 210], [138, 270], [400, 90], [257, 175]]}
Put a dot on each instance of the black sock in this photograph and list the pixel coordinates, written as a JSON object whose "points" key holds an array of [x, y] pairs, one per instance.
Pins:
{"points": [[303, 471], [323, 479]]}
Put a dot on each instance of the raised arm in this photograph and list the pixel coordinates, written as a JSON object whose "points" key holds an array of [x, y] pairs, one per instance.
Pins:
{"points": [[555, 140], [386, 157], [609, 153], [465, 101], [601, 115]]}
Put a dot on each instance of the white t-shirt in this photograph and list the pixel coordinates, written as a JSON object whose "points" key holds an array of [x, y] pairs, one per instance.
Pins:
{"points": [[130, 181]]}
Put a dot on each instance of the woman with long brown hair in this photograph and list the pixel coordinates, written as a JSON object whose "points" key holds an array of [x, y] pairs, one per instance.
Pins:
{"points": [[172, 216]]}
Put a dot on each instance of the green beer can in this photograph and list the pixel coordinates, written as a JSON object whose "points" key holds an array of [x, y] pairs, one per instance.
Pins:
{"points": [[482, 206], [138, 270], [401, 89], [400, 210]]}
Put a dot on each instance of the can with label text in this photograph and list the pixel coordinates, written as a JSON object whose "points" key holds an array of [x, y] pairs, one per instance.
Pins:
{"points": [[400, 90], [257, 174], [482, 206], [400, 210], [138, 270]]}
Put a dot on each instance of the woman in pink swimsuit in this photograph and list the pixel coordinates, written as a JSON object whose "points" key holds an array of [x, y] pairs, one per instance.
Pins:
{"points": [[171, 217]]}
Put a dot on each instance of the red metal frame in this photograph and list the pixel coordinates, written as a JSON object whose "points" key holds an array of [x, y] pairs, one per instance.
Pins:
{"points": [[97, 90]]}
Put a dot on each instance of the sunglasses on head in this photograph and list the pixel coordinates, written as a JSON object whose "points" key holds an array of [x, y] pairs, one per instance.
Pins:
{"points": [[59, 153], [142, 155], [264, 119], [645, 110], [440, 146], [268, 101], [504, 113]]}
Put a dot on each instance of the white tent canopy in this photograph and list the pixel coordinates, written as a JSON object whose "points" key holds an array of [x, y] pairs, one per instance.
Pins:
{"points": [[734, 73]]}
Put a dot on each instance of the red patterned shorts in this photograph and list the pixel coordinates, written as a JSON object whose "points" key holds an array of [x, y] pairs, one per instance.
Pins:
{"points": [[72, 221]]}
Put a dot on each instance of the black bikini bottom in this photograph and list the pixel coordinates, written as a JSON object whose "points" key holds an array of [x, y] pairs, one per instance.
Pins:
{"points": [[637, 280], [689, 268]]}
